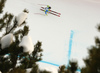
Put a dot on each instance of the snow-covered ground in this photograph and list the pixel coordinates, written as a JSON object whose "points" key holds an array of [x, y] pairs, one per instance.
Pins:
{"points": [[81, 16]]}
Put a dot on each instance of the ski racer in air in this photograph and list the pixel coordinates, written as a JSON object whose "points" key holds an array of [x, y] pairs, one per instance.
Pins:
{"points": [[47, 9]]}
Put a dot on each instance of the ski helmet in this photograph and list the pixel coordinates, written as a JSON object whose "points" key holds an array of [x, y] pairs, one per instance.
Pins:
{"points": [[48, 6]]}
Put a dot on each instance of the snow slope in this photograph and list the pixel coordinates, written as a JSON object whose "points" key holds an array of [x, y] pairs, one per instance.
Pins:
{"points": [[81, 16]]}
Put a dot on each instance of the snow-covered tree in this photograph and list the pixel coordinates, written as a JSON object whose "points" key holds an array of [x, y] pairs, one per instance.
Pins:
{"points": [[17, 52], [27, 44], [6, 40], [22, 17]]}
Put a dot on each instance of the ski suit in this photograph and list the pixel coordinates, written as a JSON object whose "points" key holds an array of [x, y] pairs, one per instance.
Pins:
{"points": [[46, 10]]}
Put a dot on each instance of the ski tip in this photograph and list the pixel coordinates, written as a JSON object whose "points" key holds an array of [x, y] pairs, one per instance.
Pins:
{"points": [[58, 15]]}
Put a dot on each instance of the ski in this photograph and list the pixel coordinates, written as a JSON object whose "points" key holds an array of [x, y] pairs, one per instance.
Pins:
{"points": [[52, 12], [55, 12]]}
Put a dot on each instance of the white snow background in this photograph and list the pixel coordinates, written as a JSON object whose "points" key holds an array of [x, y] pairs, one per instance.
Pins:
{"points": [[81, 16]]}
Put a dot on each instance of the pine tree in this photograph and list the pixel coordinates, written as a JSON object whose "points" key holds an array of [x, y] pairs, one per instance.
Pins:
{"points": [[61, 69], [72, 67], [13, 54], [92, 62]]}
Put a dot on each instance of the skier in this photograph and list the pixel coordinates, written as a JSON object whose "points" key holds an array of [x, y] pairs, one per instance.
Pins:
{"points": [[47, 9]]}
